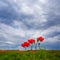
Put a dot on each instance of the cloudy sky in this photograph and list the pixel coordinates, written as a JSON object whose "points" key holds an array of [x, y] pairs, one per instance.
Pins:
{"points": [[24, 19]]}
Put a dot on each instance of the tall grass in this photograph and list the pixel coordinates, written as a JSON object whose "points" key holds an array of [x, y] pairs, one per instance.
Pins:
{"points": [[30, 55]]}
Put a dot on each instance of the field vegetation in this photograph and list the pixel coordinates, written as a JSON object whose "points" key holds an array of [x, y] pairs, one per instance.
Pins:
{"points": [[30, 55]]}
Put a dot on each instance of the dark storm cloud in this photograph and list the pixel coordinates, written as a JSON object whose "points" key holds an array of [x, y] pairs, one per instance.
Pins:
{"points": [[7, 12], [44, 16]]}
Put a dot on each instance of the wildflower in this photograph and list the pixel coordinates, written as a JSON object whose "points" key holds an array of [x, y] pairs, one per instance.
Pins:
{"points": [[39, 39], [25, 44]]}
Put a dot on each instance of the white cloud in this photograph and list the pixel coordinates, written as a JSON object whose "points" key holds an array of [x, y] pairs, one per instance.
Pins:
{"points": [[51, 29], [18, 24], [3, 5], [43, 1], [36, 10], [54, 39], [9, 42], [10, 33], [39, 11], [24, 32], [26, 9]]}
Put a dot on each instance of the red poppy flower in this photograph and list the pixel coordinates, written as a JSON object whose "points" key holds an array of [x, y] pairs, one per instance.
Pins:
{"points": [[31, 41], [26, 44], [40, 39], [23, 45]]}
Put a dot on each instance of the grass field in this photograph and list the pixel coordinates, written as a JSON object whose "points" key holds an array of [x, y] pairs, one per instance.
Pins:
{"points": [[30, 55]]}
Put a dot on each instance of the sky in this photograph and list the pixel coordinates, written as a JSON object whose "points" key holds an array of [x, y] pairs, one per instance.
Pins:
{"points": [[21, 20]]}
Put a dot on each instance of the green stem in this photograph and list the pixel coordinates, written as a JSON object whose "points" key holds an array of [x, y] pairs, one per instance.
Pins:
{"points": [[39, 45], [31, 46], [36, 46], [25, 48]]}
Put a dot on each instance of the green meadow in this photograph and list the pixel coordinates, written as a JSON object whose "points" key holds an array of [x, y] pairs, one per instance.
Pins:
{"points": [[30, 55]]}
